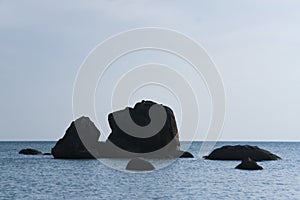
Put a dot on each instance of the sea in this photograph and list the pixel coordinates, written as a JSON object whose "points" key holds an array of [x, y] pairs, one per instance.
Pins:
{"points": [[43, 177]]}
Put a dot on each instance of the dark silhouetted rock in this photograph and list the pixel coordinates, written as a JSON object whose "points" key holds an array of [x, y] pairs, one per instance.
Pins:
{"points": [[167, 136], [30, 152], [80, 140], [47, 154], [241, 152], [248, 164], [139, 164], [186, 154]]}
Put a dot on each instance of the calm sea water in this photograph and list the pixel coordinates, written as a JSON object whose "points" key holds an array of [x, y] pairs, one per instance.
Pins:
{"points": [[42, 177]]}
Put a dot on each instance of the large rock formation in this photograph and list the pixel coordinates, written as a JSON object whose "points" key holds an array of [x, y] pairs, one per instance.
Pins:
{"points": [[241, 152], [81, 138], [249, 164], [79, 141], [144, 142]]}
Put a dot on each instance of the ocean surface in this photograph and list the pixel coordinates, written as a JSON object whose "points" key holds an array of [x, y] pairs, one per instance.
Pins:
{"points": [[42, 177]]}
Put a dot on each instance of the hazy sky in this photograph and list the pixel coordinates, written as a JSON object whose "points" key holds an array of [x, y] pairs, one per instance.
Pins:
{"points": [[255, 45]]}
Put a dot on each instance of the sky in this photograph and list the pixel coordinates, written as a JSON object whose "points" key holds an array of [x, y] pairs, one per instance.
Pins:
{"points": [[254, 44]]}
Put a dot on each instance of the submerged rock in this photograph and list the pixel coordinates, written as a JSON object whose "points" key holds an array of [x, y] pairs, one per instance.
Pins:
{"points": [[249, 164], [30, 152], [139, 164], [186, 154], [241, 152]]}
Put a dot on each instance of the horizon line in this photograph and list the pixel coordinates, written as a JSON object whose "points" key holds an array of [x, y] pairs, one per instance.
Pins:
{"points": [[179, 141]]}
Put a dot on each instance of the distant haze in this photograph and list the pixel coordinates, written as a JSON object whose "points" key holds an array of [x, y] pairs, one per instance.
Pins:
{"points": [[255, 45]]}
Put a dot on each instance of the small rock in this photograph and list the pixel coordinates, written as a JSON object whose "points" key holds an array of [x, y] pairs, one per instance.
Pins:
{"points": [[248, 164], [47, 154], [30, 152], [138, 164], [186, 154], [241, 152]]}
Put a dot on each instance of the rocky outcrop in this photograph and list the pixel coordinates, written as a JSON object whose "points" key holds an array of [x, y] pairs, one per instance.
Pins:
{"points": [[30, 152], [248, 164], [143, 140], [241, 152], [80, 140], [139, 164], [125, 141]]}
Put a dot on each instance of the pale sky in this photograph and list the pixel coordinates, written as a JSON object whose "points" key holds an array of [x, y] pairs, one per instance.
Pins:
{"points": [[254, 44]]}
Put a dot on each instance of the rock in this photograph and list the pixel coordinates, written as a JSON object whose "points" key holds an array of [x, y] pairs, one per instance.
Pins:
{"points": [[47, 154], [167, 137], [241, 152], [139, 164], [30, 152], [248, 164], [186, 154], [80, 140]]}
